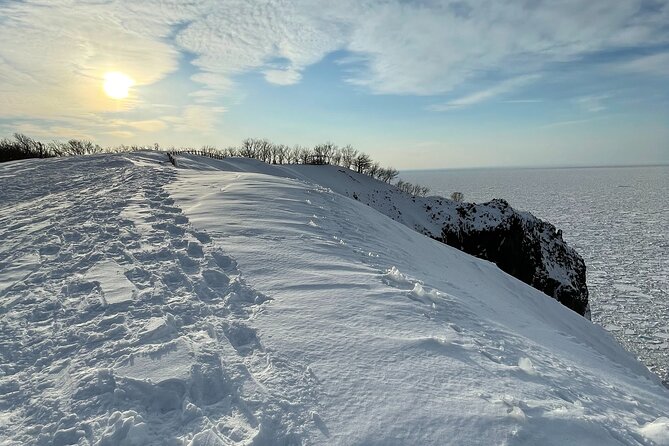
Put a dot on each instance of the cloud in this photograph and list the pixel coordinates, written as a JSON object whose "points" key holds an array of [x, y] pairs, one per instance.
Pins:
{"points": [[196, 118], [568, 123], [50, 130], [487, 94], [427, 48], [239, 36], [524, 101], [121, 134], [282, 77], [54, 54], [655, 64], [149, 125], [592, 104]]}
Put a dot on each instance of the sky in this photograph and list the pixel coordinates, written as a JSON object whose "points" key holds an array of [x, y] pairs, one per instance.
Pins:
{"points": [[415, 84]]}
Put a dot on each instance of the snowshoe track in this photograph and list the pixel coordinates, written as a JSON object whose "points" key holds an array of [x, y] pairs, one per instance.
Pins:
{"points": [[139, 322]]}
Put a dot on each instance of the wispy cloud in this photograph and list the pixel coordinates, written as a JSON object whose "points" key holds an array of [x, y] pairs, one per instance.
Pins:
{"points": [[592, 104], [487, 94], [523, 101], [421, 48], [196, 118], [54, 54], [283, 77], [570, 122], [655, 64]]}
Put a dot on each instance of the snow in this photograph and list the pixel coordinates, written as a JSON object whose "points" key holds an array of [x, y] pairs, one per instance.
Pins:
{"points": [[620, 233], [657, 431], [253, 304], [427, 215], [114, 287]]}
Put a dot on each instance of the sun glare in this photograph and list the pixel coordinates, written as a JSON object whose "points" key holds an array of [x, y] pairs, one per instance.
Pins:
{"points": [[117, 84]]}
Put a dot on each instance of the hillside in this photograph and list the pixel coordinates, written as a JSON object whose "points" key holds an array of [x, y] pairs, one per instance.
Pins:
{"points": [[522, 245], [230, 302]]}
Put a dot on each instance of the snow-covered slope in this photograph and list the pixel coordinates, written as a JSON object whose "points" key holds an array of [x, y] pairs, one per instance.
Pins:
{"points": [[519, 243], [143, 304]]}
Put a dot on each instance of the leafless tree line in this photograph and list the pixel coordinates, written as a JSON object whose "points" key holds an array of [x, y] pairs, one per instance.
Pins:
{"points": [[326, 153], [22, 147], [413, 189]]}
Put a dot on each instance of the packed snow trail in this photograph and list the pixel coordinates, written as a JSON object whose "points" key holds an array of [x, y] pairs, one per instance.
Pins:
{"points": [[120, 323], [206, 305]]}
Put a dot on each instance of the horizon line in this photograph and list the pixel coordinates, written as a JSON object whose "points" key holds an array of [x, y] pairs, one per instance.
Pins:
{"points": [[538, 166]]}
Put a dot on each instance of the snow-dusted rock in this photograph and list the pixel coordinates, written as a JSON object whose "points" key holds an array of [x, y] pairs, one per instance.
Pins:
{"points": [[522, 245]]}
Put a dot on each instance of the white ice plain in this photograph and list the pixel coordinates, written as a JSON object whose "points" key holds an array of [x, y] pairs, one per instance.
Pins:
{"points": [[236, 303]]}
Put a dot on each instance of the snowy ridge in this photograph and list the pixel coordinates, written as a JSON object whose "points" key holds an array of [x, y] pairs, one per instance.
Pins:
{"points": [[216, 305], [519, 243]]}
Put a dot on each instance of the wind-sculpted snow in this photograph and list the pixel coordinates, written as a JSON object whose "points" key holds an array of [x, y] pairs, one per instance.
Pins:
{"points": [[123, 325], [519, 243], [143, 304], [410, 341]]}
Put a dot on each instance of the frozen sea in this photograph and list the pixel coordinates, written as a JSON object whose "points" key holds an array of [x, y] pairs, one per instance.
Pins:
{"points": [[617, 218]]}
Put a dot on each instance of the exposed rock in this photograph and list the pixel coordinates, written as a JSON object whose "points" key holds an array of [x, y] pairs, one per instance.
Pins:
{"points": [[521, 245]]}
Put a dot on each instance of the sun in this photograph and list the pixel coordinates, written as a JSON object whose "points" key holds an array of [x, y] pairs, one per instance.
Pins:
{"points": [[117, 84]]}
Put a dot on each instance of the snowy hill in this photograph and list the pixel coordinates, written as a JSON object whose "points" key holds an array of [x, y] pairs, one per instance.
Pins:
{"points": [[223, 303], [519, 243]]}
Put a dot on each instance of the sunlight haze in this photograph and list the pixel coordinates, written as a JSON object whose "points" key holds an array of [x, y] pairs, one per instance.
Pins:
{"points": [[416, 84]]}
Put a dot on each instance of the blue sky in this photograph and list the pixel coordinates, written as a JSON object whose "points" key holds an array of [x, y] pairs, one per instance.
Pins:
{"points": [[421, 84]]}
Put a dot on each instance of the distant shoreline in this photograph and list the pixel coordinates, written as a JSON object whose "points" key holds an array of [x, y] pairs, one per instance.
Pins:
{"points": [[614, 166]]}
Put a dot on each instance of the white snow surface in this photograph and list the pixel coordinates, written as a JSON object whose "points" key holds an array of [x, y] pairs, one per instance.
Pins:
{"points": [[237, 303], [427, 215]]}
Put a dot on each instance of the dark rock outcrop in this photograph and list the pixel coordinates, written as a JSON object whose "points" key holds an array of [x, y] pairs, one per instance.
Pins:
{"points": [[518, 242], [521, 245]]}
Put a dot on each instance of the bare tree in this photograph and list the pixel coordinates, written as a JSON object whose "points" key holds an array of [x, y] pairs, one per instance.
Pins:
{"points": [[209, 150], [80, 147], [388, 174], [304, 154], [280, 154], [457, 196], [29, 146], [329, 150], [324, 152], [375, 170], [400, 185], [335, 158], [272, 153], [264, 150], [362, 163], [413, 189], [293, 155], [348, 155], [248, 148], [319, 153]]}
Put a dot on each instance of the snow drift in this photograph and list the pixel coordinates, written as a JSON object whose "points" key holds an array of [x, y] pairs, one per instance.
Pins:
{"points": [[215, 304], [519, 243]]}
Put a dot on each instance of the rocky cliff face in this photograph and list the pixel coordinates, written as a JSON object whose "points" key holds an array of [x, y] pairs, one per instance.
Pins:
{"points": [[521, 245]]}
